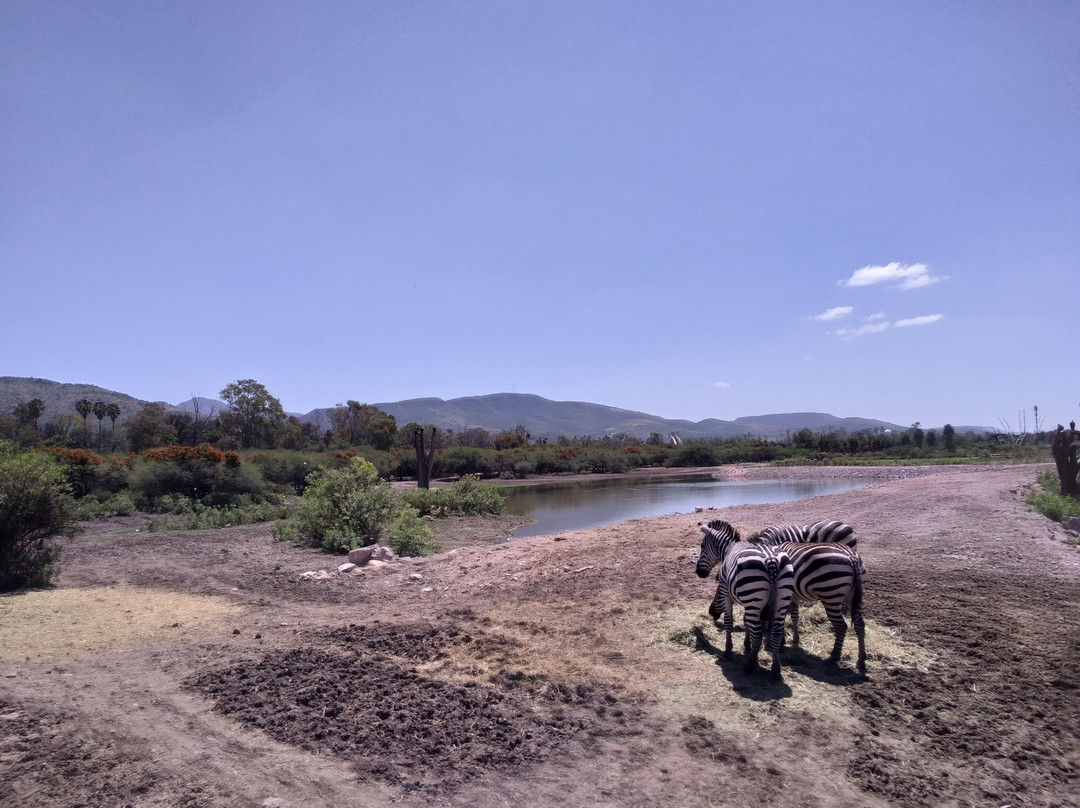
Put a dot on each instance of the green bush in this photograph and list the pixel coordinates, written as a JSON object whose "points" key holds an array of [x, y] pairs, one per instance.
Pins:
{"points": [[196, 479], [288, 471], [345, 508], [467, 496], [410, 535], [35, 507], [1045, 499]]}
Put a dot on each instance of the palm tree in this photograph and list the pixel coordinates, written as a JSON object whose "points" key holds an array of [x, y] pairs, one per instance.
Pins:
{"points": [[112, 412], [101, 409], [84, 408]]}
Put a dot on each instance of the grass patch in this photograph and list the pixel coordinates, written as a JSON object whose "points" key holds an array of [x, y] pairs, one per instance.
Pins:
{"points": [[1045, 499]]}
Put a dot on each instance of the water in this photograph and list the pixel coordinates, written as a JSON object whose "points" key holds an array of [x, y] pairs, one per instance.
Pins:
{"points": [[578, 506]]}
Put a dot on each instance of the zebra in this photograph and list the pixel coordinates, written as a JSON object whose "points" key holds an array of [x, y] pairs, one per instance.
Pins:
{"points": [[831, 572], [759, 577], [827, 530]]}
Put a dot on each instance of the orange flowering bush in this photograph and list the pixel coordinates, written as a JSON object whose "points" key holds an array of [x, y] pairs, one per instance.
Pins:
{"points": [[74, 457], [204, 452]]}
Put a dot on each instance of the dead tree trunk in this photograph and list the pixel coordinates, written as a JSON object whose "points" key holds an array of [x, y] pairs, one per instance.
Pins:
{"points": [[1066, 447], [425, 456]]}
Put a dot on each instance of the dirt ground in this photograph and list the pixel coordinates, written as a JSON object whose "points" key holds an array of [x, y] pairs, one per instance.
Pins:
{"points": [[577, 669]]}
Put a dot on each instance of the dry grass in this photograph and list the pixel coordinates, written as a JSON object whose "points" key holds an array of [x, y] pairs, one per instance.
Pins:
{"points": [[697, 685], [68, 622]]}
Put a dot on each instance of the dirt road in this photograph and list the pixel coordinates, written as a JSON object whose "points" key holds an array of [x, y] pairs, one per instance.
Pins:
{"points": [[204, 669]]}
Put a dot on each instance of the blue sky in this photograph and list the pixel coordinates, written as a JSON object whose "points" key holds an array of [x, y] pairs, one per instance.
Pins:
{"points": [[698, 210]]}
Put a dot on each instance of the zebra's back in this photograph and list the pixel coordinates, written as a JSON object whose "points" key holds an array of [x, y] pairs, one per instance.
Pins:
{"points": [[831, 530]]}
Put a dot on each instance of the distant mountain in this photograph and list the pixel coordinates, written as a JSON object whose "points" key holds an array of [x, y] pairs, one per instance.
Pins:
{"points": [[540, 416], [59, 397]]}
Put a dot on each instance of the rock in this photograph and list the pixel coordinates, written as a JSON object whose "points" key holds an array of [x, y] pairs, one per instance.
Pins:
{"points": [[381, 553], [347, 567], [361, 555], [1071, 523], [416, 576]]}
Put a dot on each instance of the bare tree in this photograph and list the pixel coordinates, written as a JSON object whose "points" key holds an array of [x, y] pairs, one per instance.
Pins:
{"points": [[425, 455]]}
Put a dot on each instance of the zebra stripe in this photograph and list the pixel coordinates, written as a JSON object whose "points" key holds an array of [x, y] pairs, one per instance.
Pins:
{"points": [[831, 530], [827, 530], [758, 577], [833, 574]]}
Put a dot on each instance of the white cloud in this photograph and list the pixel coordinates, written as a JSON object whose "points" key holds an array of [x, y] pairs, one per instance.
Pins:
{"points": [[863, 330], [926, 319], [834, 313], [721, 384], [874, 317], [899, 276]]}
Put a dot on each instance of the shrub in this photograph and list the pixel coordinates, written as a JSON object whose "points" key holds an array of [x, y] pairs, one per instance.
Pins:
{"points": [[201, 474], [467, 496], [345, 508], [1045, 499], [410, 535], [288, 470], [35, 506]]}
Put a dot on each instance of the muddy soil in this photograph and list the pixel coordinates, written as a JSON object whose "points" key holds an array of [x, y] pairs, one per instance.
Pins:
{"points": [[578, 669]]}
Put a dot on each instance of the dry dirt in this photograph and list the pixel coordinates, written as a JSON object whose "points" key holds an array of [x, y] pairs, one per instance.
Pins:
{"points": [[201, 669]]}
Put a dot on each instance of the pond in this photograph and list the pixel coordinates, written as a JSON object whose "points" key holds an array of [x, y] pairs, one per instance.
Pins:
{"points": [[557, 507]]}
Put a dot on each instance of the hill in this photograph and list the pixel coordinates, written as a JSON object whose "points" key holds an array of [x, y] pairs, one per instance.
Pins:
{"points": [[540, 416], [543, 417], [60, 397]]}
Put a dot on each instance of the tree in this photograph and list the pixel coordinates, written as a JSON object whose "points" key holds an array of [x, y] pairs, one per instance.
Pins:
{"points": [[84, 408], [100, 409], [35, 507], [112, 412], [917, 435], [359, 424], [1066, 449], [948, 432], [252, 413], [29, 412], [425, 455], [149, 428]]}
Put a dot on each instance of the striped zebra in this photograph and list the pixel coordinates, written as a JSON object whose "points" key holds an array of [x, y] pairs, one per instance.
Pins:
{"points": [[827, 530], [758, 577], [830, 572]]}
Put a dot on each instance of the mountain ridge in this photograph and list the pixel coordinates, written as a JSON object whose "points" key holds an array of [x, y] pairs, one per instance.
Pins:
{"points": [[494, 412]]}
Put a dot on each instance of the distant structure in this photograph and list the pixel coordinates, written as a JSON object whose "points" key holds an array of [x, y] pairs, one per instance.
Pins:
{"points": [[674, 439]]}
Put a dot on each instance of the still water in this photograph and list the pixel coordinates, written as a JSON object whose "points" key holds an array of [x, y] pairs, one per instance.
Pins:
{"points": [[581, 505]]}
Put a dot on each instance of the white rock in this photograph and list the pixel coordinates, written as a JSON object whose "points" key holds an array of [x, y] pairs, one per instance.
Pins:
{"points": [[361, 555], [416, 576], [347, 567]]}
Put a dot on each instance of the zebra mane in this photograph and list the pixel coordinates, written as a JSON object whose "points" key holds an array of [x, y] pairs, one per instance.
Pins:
{"points": [[719, 526]]}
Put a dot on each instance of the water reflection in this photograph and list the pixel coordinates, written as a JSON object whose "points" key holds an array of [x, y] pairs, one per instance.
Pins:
{"points": [[581, 505]]}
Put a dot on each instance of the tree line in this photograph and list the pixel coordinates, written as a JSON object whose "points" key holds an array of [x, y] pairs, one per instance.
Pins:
{"points": [[254, 420]]}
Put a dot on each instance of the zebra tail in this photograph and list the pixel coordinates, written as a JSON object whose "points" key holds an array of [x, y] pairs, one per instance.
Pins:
{"points": [[855, 596]]}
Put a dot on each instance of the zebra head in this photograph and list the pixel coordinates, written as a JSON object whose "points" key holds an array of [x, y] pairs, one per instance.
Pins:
{"points": [[719, 535]]}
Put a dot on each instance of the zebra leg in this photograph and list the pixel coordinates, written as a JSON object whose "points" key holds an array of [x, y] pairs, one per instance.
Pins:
{"points": [[839, 630], [776, 642], [860, 635], [794, 612], [721, 605], [752, 643]]}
